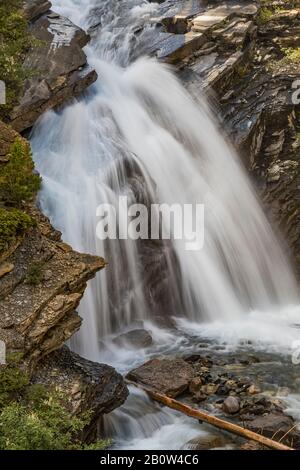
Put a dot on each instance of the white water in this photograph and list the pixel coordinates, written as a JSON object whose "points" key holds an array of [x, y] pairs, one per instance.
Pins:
{"points": [[138, 133]]}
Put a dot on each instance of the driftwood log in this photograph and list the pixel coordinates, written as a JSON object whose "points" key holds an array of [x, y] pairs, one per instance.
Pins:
{"points": [[210, 419]]}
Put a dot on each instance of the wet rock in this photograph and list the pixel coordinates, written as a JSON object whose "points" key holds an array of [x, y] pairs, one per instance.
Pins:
{"points": [[195, 385], [209, 389], [275, 424], [35, 8], [253, 389], [60, 65], [231, 405], [206, 442], [135, 339], [169, 376], [199, 397]]}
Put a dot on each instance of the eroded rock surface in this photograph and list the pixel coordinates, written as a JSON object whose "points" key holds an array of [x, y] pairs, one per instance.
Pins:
{"points": [[88, 386], [57, 64]]}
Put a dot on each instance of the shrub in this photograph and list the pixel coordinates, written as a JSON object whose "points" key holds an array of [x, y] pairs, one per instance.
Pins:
{"points": [[34, 273], [35, 418], [13, 222], [265, 15], [17, 180], [15, 40]]}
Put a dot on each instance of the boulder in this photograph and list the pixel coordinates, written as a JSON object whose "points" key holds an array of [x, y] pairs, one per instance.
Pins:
{"points": [[169, 376], [276, 424], [135, 339], [231, 405], [88, 386], [205, 442]]}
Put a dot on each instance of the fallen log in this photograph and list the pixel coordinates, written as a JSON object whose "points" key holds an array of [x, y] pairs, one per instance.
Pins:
{"points": [[210, 419]]}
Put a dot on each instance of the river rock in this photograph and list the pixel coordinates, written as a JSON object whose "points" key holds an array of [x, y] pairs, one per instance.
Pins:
{"points": [[135, 339], [206, 442], [231, 405], [168, 376], [195, 385], [60, 65], [253, 389], [275, 424]]}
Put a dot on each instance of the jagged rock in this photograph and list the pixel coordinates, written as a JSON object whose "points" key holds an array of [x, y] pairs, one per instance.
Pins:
{"points": [[59, 63], [35, 8], [43, 316], [169, 376], [87, 386], [136, 339]]}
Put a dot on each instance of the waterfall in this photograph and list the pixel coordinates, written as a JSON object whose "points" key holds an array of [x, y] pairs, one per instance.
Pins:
{"points": [[138, 133]]}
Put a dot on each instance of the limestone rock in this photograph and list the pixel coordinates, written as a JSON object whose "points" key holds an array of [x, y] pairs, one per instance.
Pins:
{"points": [[38, 319]]}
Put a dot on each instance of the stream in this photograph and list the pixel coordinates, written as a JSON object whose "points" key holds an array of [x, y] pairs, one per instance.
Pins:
{"points": [[138, 133]]}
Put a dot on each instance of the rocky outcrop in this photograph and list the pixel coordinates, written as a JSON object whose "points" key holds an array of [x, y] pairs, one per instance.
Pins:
{"points": [[88, 386], [57, 65], [237, 52], [38, 316]]}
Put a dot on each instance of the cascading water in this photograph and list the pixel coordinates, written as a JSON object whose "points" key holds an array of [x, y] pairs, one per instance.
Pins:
{"points": [[138, 133]]}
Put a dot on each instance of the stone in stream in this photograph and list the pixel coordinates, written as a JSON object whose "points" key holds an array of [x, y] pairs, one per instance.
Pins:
{"points": [[231, 405], [209, 441], [195, 385], [168, 376], [276, 425], [136, 339]]}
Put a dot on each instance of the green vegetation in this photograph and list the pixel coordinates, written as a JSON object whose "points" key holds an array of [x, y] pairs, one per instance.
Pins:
{"points": [[15, 40], [34, 273], [265, 15], [17, 181], [13, 222], [35, 418], [292, 55], [17, 184]]}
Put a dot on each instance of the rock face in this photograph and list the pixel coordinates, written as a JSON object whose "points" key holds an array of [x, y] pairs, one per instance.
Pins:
{"points": [[88, 386], [58, 62], [38, 319], [237, 52], [168, 376]]}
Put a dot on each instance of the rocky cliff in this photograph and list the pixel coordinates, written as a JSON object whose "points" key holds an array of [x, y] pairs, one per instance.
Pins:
{"points": [[57, 65], [246, 57], [42, 279]]}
